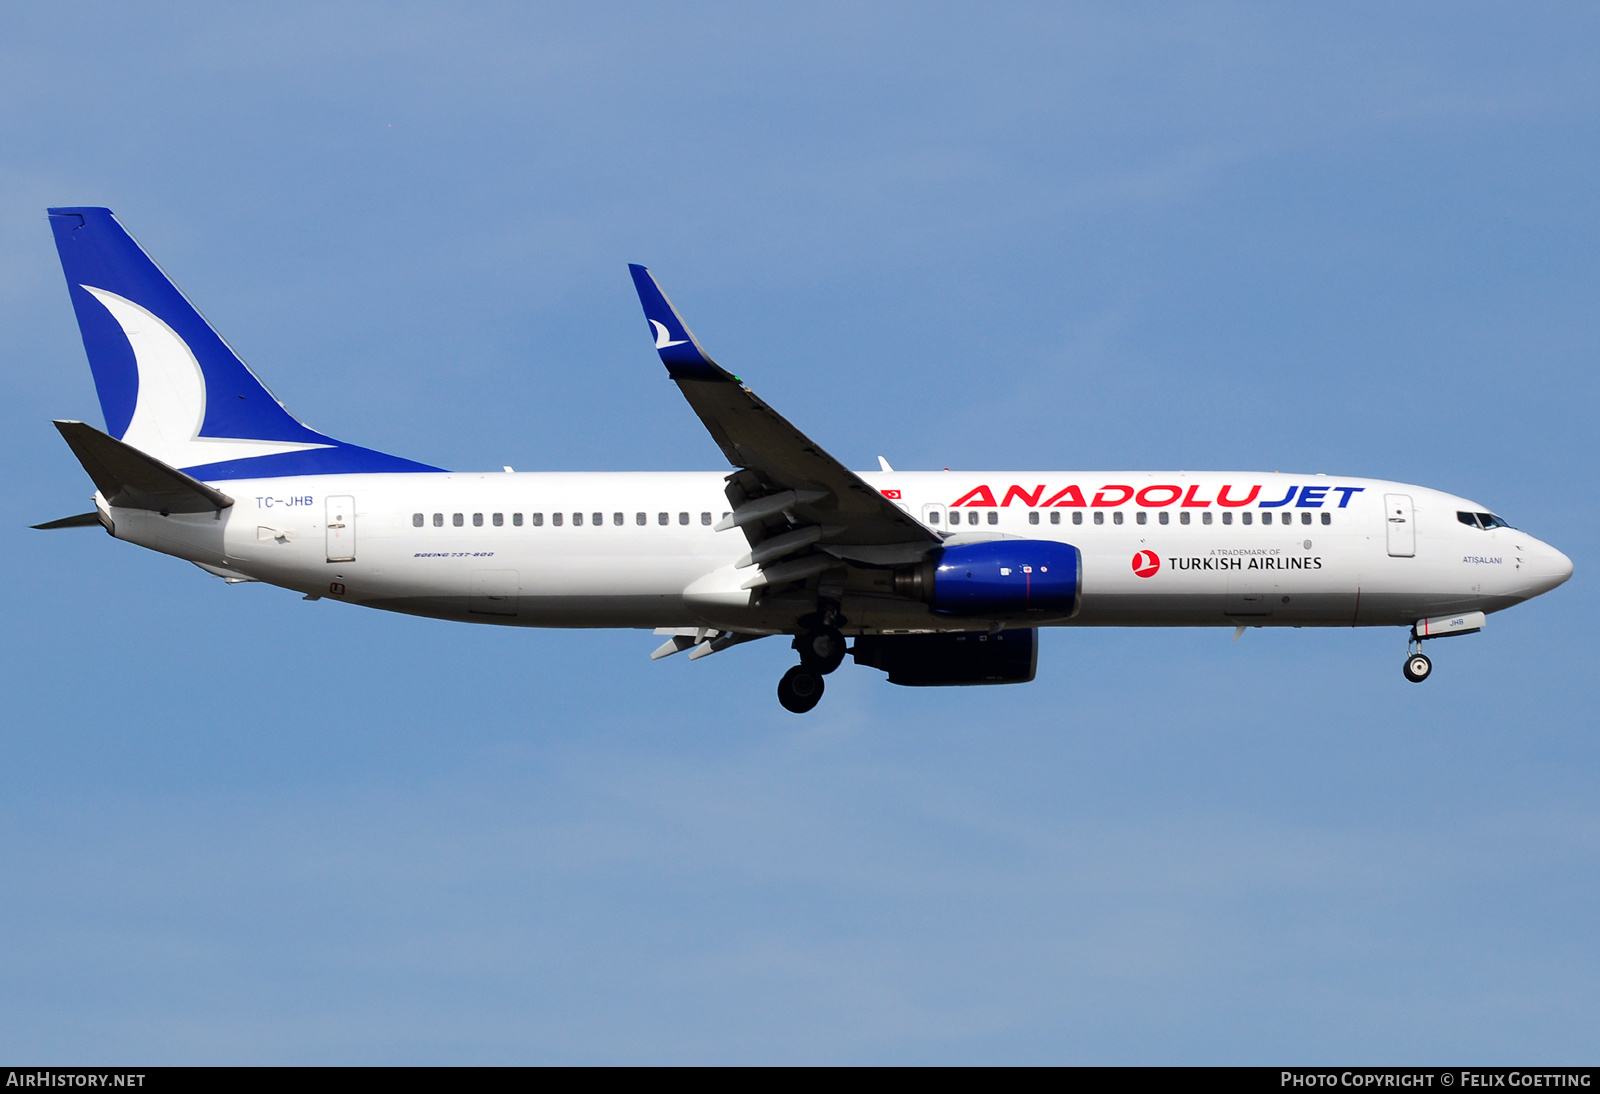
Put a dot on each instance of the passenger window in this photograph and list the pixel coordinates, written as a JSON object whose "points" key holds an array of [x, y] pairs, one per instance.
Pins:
{"points": [[705, 519], [577, 520], [683, 518], [616, 519], [1164, 518], [599, 520], [933, 516], [1205, 518], [1033, 516], [972, 518], [1245, 517], [516, 519], [1141, 517], [640, 519], [1099, 516], [456, 519], [1055, 517], [438, 520], [662, 518], [477, 520], [1116, 518], [1285, 518], [1183, 517], [1327, 518], [994, 518], [1077, 516], [416, 520], [556, 519], [1227, 518], [498, 519], [1305, 518]]}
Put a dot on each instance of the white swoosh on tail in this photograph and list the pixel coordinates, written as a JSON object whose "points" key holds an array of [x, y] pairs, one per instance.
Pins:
{"points": [[171, 403]]}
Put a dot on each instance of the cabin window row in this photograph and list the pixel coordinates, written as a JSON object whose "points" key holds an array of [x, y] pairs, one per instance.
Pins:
{"points": [[1142, 517], [497, 520]]}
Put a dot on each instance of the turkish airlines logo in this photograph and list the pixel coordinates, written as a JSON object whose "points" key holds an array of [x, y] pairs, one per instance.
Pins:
{"points": [[1146, 563]]}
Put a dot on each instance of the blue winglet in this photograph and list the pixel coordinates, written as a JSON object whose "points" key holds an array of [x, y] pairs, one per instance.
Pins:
{"points": [[680, 352]]}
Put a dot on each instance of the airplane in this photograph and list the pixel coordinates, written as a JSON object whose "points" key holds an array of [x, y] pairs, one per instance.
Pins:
{"points": [[935, 578]]}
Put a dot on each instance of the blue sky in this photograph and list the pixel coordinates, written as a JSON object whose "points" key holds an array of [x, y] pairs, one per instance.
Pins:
{"points": [[240, 827]]}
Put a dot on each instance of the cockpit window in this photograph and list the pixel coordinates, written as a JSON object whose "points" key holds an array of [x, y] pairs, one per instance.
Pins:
{"points": [[1468, 519], [1489, 520]]}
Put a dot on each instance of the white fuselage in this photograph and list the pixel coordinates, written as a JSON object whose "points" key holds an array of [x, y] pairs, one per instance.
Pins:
{"points": [[639, 549]]}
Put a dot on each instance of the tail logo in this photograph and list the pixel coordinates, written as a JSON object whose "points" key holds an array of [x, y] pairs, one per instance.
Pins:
{"points": [[171, 404], [664, 336]]}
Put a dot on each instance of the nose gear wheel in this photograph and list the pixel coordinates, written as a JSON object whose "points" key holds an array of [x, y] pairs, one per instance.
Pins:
{"points": [[1417, 667]]}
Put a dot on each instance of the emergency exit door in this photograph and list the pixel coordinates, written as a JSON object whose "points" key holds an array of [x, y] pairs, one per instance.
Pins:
{"points": [[1402, 527], [341, 529]]}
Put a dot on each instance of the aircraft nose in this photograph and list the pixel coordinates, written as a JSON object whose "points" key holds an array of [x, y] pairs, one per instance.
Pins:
{"points": [[1549, 568]]}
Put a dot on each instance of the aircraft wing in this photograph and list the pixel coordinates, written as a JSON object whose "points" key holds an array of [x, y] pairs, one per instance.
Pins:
{"points": [[788, 488]]}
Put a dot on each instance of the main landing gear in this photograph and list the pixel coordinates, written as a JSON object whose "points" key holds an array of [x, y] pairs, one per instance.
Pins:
{"points": [[800, 689], [821, 651], [1417, 666]]}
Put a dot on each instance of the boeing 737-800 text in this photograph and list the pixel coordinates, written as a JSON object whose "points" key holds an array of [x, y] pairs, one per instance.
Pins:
{"points": [[939, 578]]}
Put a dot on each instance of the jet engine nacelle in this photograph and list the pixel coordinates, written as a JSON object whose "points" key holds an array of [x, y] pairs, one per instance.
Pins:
{"points": [[1000, 577], [945, 660]]}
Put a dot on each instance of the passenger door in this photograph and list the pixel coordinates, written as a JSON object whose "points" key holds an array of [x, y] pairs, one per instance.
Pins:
{"points": [[341, 527], [1401, 525]]}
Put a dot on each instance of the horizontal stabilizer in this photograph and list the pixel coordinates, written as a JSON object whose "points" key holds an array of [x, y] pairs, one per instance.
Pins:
{"points": [[82, 520], [129, 479]]}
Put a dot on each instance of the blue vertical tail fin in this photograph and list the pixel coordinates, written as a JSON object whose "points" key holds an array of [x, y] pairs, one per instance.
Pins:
{"points": [[168, 383]]}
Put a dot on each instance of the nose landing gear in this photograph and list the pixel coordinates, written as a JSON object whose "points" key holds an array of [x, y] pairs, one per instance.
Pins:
{"points": [[1417, 667]]}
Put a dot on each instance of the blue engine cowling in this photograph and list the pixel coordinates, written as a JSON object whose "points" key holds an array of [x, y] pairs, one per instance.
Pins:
{"points": [[1008, 577]]}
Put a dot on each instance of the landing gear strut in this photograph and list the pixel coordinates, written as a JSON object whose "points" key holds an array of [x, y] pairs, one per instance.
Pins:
{"points": [[800, 689], [1417, 666]]}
